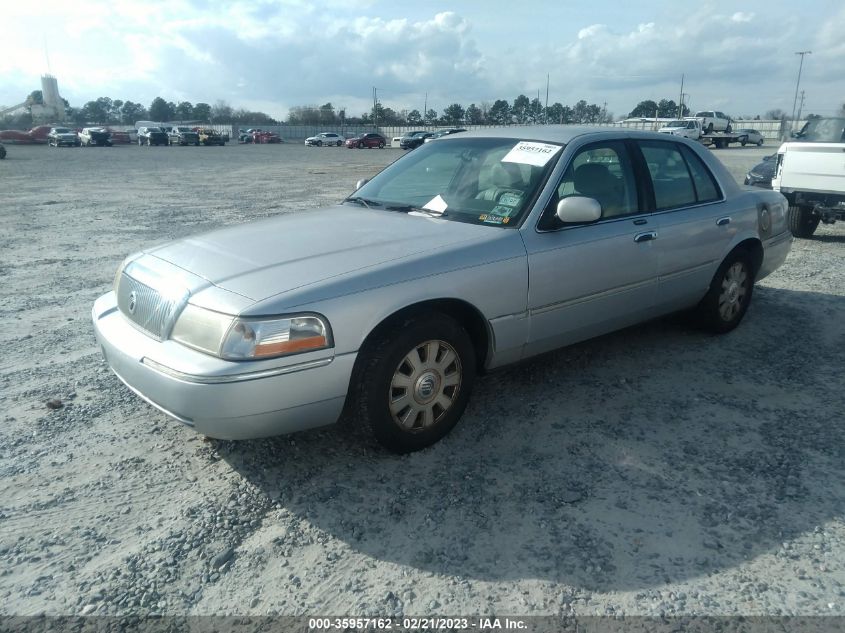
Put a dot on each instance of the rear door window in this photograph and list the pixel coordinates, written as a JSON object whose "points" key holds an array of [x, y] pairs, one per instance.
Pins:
{"points": [[679, 178]]}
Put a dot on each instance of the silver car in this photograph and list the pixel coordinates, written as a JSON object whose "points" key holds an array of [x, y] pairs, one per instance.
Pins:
{"points": [[482, 249]]}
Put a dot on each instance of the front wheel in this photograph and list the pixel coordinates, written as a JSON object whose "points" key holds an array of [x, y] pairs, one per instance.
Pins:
{"points": [[412, 383], [339, 143], [381, 145], [802, 221], [729, 295], [319, 143], [360, 146]]}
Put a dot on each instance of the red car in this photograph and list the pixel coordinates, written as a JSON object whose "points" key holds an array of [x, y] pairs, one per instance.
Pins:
{"points": [[37, 134], [368, 140]]}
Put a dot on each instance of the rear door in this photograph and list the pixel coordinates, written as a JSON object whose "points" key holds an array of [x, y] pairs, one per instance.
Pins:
{"points": [[695, 229]]}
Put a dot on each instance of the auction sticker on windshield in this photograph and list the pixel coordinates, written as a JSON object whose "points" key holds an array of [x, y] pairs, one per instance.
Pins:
{"points": [[531, 153]]}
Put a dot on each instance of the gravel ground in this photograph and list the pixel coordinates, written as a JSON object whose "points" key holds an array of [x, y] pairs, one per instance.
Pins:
{"points": [[653, 471]]}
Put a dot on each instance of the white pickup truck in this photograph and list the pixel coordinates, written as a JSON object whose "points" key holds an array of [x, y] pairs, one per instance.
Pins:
{"points": [[688, 128], [810, 173]]}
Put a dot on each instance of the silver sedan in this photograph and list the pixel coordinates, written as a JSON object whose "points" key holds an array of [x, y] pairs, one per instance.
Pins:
{"points": [[482, 249]]}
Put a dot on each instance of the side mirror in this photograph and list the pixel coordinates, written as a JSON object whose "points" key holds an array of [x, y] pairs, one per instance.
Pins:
{"points": [[361, 183], [578, 209]]}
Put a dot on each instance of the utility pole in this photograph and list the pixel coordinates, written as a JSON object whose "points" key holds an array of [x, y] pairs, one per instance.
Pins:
{"points": [[375, 108], [425, 107], [681, 100], [546, 109], [800, 107], [798, 83], [604, 112], [684, 95]]}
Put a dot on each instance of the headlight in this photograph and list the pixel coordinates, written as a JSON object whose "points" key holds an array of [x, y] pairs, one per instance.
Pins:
{"points": [[233, 338]]}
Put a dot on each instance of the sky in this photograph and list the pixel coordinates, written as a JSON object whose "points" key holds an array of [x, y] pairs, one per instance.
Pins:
{"points": [[737, 56]]}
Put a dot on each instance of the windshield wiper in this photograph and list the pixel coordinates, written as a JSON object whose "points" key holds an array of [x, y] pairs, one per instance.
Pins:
{"points": [[412, 209], [364, 201]]}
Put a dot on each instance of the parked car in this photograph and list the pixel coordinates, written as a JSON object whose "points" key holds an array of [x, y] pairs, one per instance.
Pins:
{"points": [[183, 135], [368, 140], [59, 136], [414, 139], [98, 136], [210, 136], [762, 173], [118, 136], [688, 128], [442, 133], [257, 135], [713, 121], [750, 136], [2, 151], [388, 305], [325, 138], [152, 136], [810, 173]]}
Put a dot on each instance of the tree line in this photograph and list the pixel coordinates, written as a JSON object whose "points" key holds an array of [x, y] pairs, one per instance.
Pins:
{"points": [[500, 112], [522, 110]]}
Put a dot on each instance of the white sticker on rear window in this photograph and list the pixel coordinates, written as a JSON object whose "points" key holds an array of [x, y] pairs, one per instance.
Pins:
{"points": [[530, 153]]}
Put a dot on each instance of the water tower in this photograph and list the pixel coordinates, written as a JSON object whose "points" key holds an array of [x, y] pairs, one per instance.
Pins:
{"points": [[52, 108]]}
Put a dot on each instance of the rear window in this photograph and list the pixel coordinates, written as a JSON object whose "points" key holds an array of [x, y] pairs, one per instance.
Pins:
{"points": [[679, 177]]}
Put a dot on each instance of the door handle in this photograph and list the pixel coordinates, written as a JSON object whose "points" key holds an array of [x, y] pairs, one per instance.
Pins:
{"points": [[645, 237], [723, 221]]}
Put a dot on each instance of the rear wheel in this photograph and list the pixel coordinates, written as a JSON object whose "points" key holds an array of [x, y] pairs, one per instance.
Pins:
{"points": [[760, 143], [413, 382], [729, 295], [802, 221], [339, 143], [381, 145]]}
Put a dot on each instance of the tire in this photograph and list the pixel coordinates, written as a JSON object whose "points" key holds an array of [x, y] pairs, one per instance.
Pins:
{"points": [[399, 396], [381, 145], [339, 143], [2, 152], [760, 143], [802, 222], [729, 295], [360, 145], [743, 142], [197, 144], [319, 143], [709, 129]]}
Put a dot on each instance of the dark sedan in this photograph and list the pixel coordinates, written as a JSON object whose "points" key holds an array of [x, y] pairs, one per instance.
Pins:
{"points": [[761, 174], [414, 139], [368, 140]]}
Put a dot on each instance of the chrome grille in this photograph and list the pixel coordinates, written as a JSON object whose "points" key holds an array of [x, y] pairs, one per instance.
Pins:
{"points": [[147, 308]]}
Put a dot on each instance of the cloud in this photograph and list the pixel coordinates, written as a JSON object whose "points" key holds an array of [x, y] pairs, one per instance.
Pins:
{"points": [[275, 54]]}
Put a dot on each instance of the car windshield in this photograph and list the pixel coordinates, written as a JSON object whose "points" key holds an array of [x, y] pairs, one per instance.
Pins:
{"points": [[676, 124], [479, 180], [702, 114], [830, 130]]}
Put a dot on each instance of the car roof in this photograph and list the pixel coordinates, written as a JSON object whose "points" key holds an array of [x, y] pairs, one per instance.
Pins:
{"points": [[556, 133]]}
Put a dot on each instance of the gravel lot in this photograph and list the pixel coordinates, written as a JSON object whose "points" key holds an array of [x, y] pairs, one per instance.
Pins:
{"points": [[653, 471]]}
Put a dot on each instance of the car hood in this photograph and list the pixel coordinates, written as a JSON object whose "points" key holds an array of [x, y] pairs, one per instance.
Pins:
{"points": [[289, 252]]}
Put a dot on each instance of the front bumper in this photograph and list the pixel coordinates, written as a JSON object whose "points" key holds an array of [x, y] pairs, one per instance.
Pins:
{"points": [[219, 398]]}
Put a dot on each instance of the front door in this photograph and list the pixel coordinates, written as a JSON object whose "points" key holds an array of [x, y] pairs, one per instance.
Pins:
{"points": [[588, 279]]}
